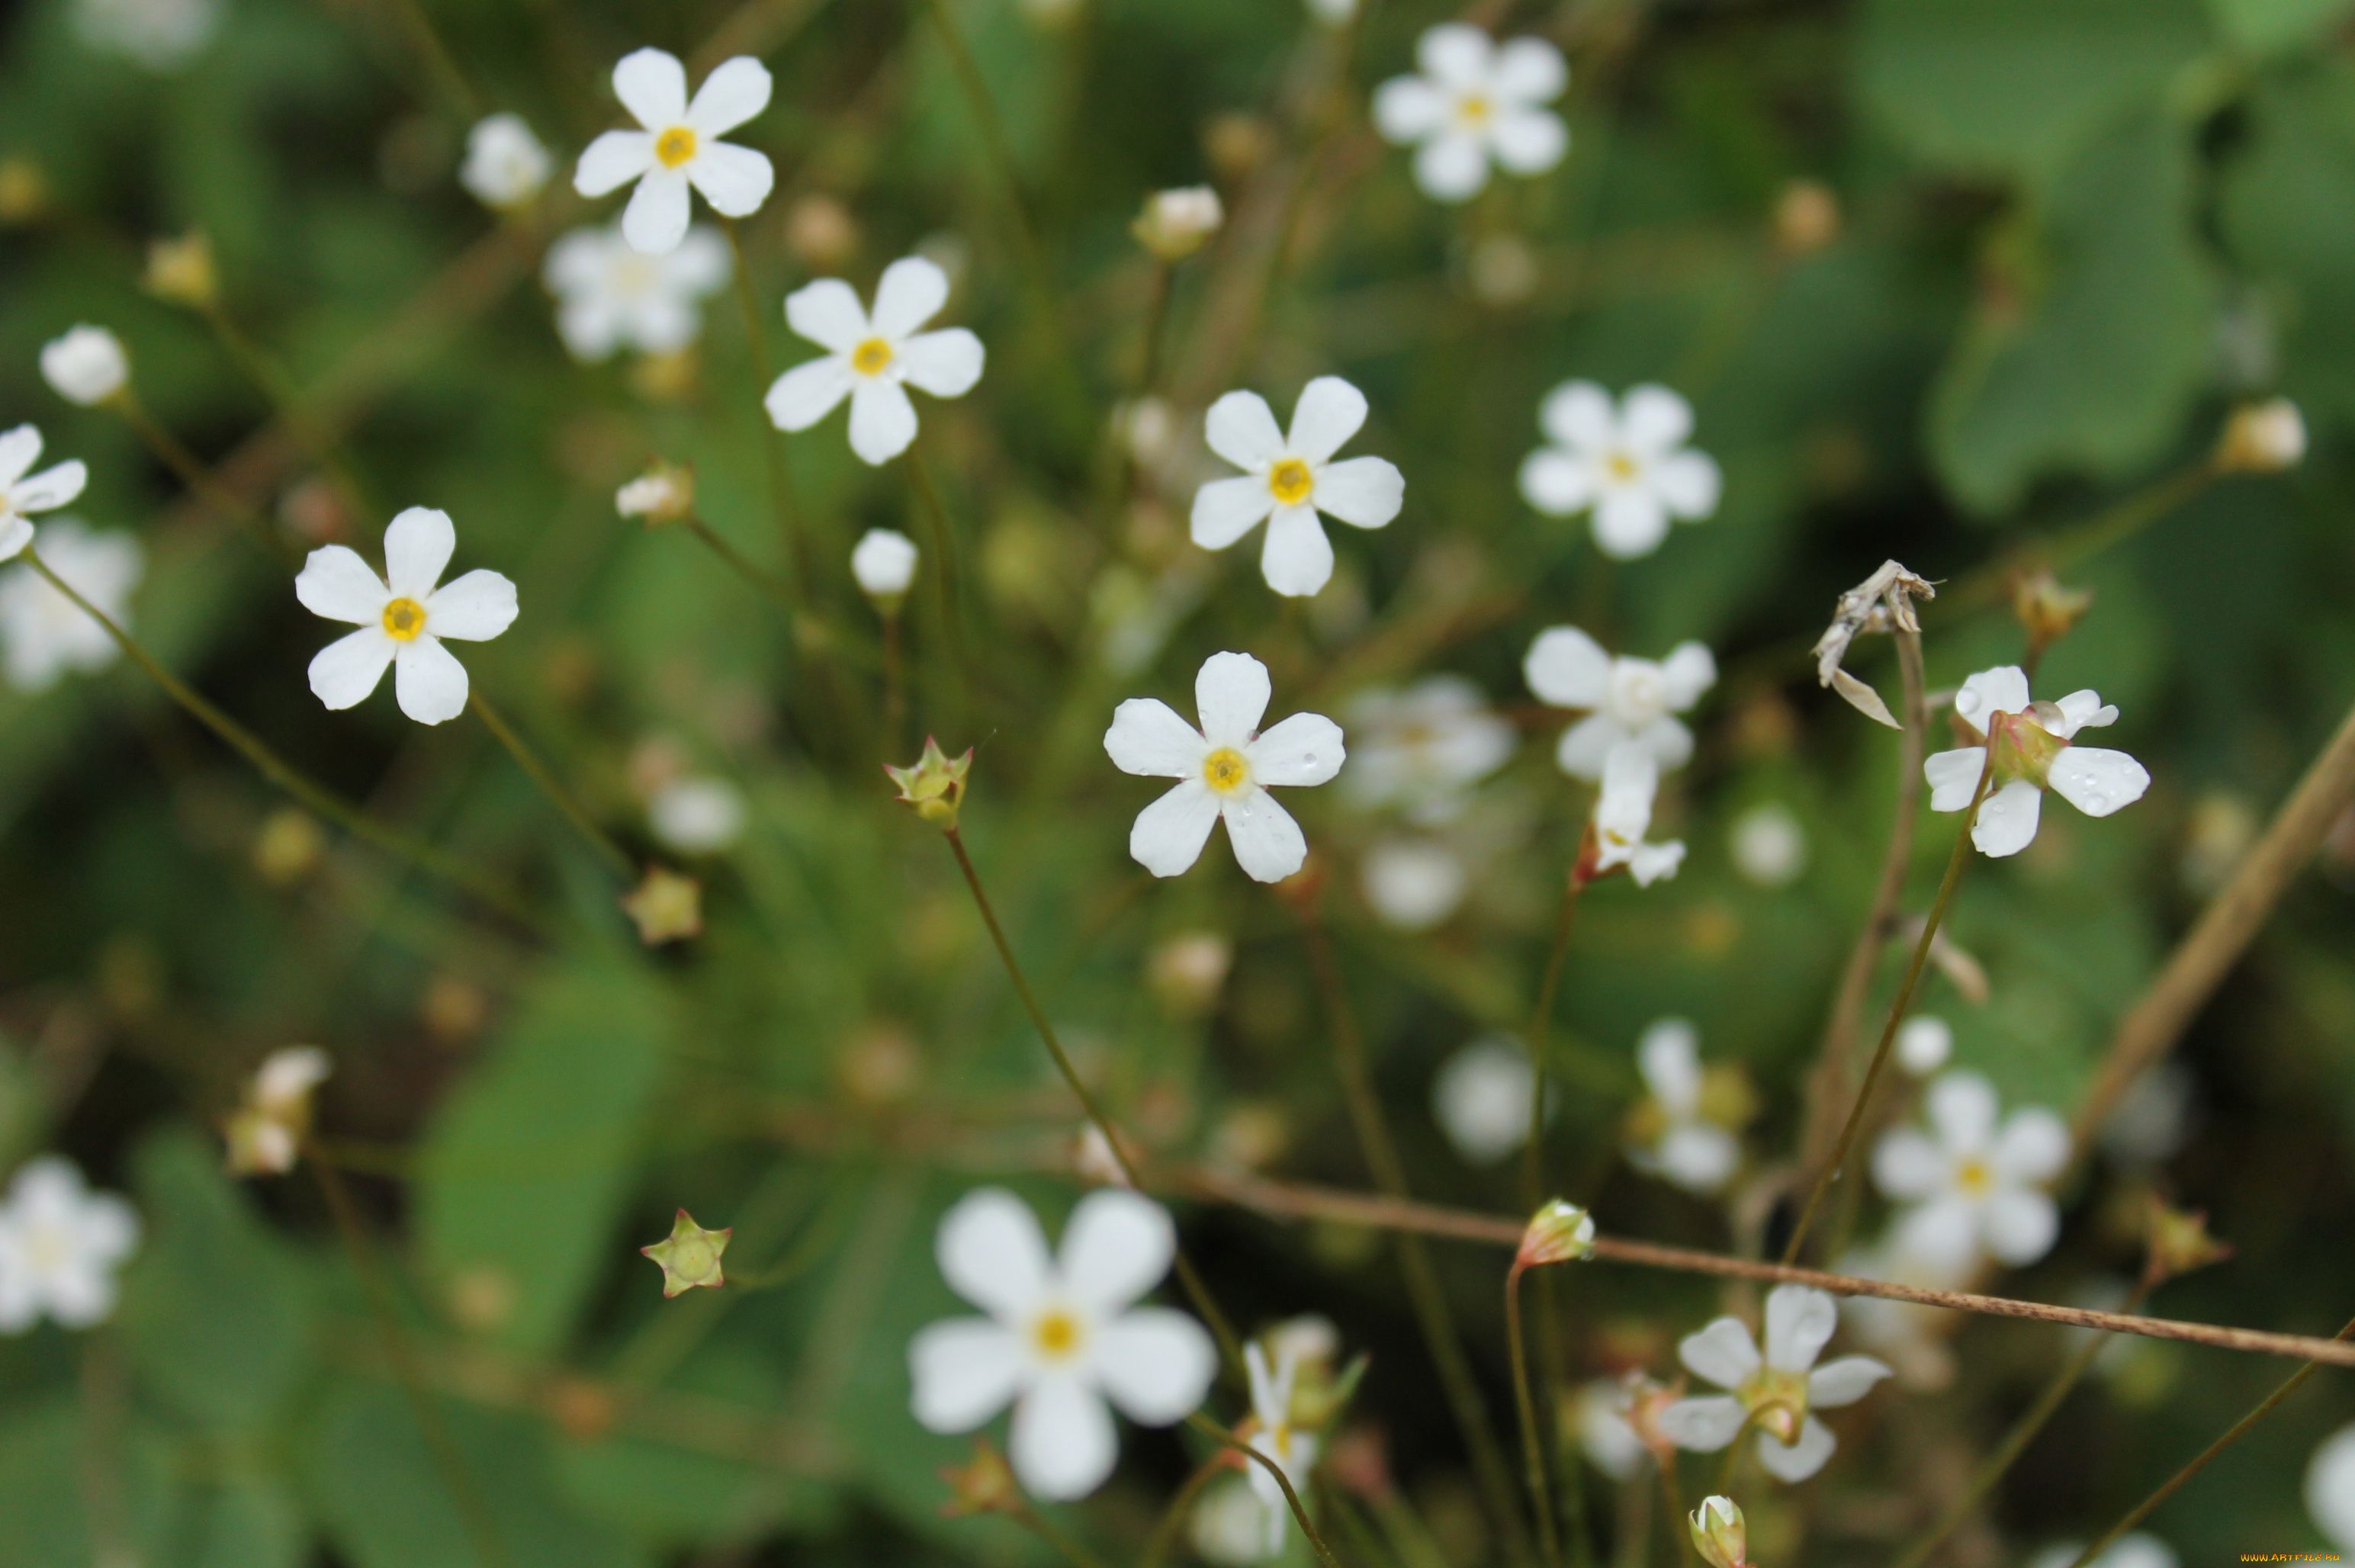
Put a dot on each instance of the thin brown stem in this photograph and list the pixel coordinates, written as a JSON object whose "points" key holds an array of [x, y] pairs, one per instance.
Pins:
{"points": [[1172, 1517], [1534, 1464], [617, 858], [191, 471], [1209, 1429], [1062, 1543], [781, 495], [1540, 1019]]}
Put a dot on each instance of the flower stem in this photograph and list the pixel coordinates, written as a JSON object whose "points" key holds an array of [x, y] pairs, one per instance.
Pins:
{"points": [[200, 481], [746, 568], [895, 684], [1532, 1152], [940, 537], [286, 777], [1046, 1530], [782, 494], [287, 402], [1211, 1428], [1172, 1517], [1840, 1151], [1230, 1347], [1533, 1465], [1680, 1545], [2080, 541], [617, 858]]}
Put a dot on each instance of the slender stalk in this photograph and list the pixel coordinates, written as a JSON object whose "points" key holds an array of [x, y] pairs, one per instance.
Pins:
{"points": [[617, 858], [781, 495], [1955, 862], [1157, 316], [286, 777], [745, 567], [1209, 1429], [1532, 1151], [895, 684], [200, 481], [287, 402], [440, 63], [939, 538], [2175, 1482], [1533, 1465], [1046, 1530], [1172, 1517], [1230, 1347], [1680, 1545], [2080, 541]]}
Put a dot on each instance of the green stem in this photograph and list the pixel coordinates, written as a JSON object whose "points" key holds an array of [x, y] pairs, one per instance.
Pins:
{"points": [[287, 402], [617, 858], [941, 538], [1680, 1546], [209, 490], [1172, 1517], [745, 567], [1209, 1429], [1046, 1530], [1532, 1152], [1533, 1462], [782, 494]]}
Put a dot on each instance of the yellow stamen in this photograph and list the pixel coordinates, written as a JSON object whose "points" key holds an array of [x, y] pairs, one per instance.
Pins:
{"points": [[1290, 481], [1055, 1333], [870, 357], [1620, 467], [1225, 770], [404, 619], [675, 147], [1974, 1177]]}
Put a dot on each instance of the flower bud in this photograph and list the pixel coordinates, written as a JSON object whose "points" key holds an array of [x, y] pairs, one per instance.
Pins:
{"points": [[662, 495], [24, 191], [506, 166], [266, 1133], [2048, 612], [884, 562], [1806, 218], [2023, 746], [985, 1484], [2179, 1240], [1561, 1231], [180, 272], [935, 786], [689, 1255], [85, 367], [2263, 438], [666, 906], [1092, 1157], [1176, 223], [1720, 1533]]}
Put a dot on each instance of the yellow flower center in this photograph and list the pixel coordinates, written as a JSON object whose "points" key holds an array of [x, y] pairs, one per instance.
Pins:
{"points": [[1778, 1401], [675, 147], [1476, 109], [1056, 1334], [1620, 467], [1975, 1179], [1225, 771], [1290, 481], [403, 619], [870, 357]]}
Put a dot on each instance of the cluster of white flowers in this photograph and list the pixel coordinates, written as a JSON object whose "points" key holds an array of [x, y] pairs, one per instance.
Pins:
{"points": [[60, 1244]]}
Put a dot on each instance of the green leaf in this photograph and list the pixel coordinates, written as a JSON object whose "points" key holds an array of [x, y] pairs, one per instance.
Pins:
{"points": [[44, 1469], [2285, 216], [2263, 26], [246, 1525], [526, 1167], [2093, 342]]}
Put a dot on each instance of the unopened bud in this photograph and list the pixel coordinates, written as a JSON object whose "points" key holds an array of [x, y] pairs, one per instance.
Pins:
{"points": [[935, 786], [884, 563], [1092, 1157], [267, 1132], [1720, 1533], [24, 191], [662, 495], [86, 367], [689, 1255], [1559, 1233], [289, 846], [2047, 611], [1188, 971], [1176, 223], [985, 1484], [2263, 438], [2179, 1240], [180, 271], [1806, 218], [666, 906]]}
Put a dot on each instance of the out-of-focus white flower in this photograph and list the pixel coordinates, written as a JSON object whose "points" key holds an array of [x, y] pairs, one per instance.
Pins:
{"points": [[1176, 223], [1912, 1339], [1778, 1392], [267, 1132], [678, 145], [506, 166], [1976, 1188], [1333, 12], [2153, 1116], [1628, 701], [2330, 1488], [85, 366], [2263, 438], [1422, 748], [1628, 463], [664, 494], [1679, 1143], [1481, 1099], [609, 296], [884, 562], [1609, 1440], [1062, 1334], [47, 633], [2223, 827], [1924, 1044], [1229, 1527], [1273, 1436], [161, 35], [1414, 884], [1770, 847], [402, 617], [1622, 815], [1223, 770], [1473, 103], [1502, 270], [697, 816], [2135, 1549], [60, 1246], [1289, 478], [2034, 750], [24, 493], [873, 359]]}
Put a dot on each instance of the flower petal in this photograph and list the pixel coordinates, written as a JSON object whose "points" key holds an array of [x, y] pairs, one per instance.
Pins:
{"points": [[735, 180], [1722, 1351], [1529, 71], [1652, 420], [809, 392], [1941, 1237], [1452, 166], [1800, 1321], [2096, 780], [1062, 1444], [335, 583], [1953, 776], [1227, 509], [1557, 482], [1330, 411], [1156, 1364], [2033, 1145], [656, 220], [1688, 483], [1269, 845], [882, 421], [701, 263], [2007, 819], [1669, 1057], [912, 292], [1908, 1164], [2021, 1226], [1668, 741], [1962, 1106], [2085, 710], [1407, 109], [1456, 54], [344, 671], [1842, 1382], [1364, 492], [1581, 416], [1147, 738], [1168, 836], [1646, 864], [1568, 669], [945, 364], [828, 313], [964, 1371], [992, 1253], [1586, 745], [1629, 524], [50, 488], [418, 545], [2003, 689], [428, 681], [1297, 559], [474, 609], [1528, 141], [19, 448], [1704, 1425], [610, 161], [1231, 693], [651, 85], [1304, 749], [1242, 429], [1698, 1156], [1117, 1246], [15, 533], [734, 92], [1795, 1462]]}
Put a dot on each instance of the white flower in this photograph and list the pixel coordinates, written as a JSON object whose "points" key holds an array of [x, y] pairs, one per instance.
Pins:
{"points": [[23, 493], [1289, 479], [1976, 1187], [402, 617], [2264, 438], [87, 365], [1224, 771], [1422, 748], [1413, 883], [1061, 1335], [2034, 749], [1227, 1526], [1273, 1436], [1628, 699], [609, 296], [161, 35], [1687, 1148], [1622, 815], [2330, 1488], [1176, 223], [873, 359], [1333, 12], [678, 145], [697, 816], [1770, 847], [1779, 1392], [60, 1246], [48, 633], [506, 166], [1481, 1099], [1629, 464], [1924, 1043], [884, 562], [664, 494], [266, 1133], [2134, 1550], [1611, 1442], [1473, 103]]}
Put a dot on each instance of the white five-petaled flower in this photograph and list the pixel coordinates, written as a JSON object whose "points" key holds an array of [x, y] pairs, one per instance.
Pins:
{"points": [[873, 359], [1779, 1392], [1474, 102], [610, 297], [2330, 1488], [1062, 1334], [2034, 750], [1421, 749], [1628, 699], [1224, 770], [1976, 1187], [47, 633], [2134, 1550], [884, 563], [506, 166], [1288, 478], [60, 1246], [1481, 1099], [1680, 1144], [1629, 464], [1273, 1436], [677, 144], [161, 35], [23, 493], [697, 816], [402, 617], [85, 366], [1622, 815], [1414, 884]]}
